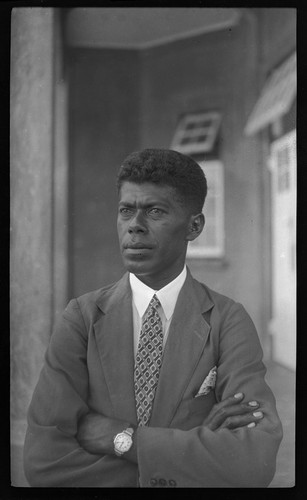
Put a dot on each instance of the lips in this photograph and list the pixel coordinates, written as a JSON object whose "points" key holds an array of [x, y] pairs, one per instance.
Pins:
{"points": [[138, 246]]}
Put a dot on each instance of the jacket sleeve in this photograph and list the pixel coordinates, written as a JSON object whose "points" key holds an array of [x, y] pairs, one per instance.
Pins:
{"points": [[52, 455], [199, 457]]}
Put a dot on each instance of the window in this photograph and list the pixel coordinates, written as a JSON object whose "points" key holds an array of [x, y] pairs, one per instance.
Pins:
{"points": [[197, 136], [210, 243], [196, 133]]}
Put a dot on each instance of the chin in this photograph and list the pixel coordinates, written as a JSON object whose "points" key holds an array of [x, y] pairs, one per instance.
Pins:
{"points": [[139, 270], [137, 267]]}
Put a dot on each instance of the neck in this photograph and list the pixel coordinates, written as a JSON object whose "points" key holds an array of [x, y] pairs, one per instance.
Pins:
{"points": [[158, 282]]}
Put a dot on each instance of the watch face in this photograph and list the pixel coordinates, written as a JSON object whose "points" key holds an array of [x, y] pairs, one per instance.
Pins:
{"points": [[123, 442]]}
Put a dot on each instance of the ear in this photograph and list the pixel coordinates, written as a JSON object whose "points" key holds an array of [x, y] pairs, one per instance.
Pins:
{"points": [[195, 227]]}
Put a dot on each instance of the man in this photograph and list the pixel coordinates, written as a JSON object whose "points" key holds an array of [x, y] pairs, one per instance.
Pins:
{"points": [[155, 380]]}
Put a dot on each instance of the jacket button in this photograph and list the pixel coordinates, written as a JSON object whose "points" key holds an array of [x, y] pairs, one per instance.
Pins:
{"points": [[153, 482], [172, 482], [162, 482]]}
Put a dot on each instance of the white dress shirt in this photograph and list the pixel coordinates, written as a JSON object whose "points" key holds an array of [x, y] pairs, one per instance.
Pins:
{"points": [[141, 297]]}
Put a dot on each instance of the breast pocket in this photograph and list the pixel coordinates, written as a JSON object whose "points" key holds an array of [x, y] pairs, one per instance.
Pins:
{"points": [[192, 411], [201, 404]]}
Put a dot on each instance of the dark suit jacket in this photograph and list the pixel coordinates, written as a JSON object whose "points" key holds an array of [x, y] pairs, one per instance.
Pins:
{"points": [[89, 366]]}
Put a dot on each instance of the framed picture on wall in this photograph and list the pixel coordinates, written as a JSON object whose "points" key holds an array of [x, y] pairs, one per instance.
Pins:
{"points": [[210, 243]]}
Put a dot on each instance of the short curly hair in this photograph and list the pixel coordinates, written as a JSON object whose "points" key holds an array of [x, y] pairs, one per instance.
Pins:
{"points": [[170, 168]]}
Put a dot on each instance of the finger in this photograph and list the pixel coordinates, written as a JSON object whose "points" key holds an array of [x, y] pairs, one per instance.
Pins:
{"points": [[231, 400], [252, 424], [235, 399], [240, 409], [219, 411], [237, 421], [220, 414]]}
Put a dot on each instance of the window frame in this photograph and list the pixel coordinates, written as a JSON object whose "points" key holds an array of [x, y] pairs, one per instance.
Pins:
{"points": [[184, 130], [214, 172]]}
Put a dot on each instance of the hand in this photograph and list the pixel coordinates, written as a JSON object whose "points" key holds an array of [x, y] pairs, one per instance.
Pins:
{"points": [[231, 413], [96, 433]]}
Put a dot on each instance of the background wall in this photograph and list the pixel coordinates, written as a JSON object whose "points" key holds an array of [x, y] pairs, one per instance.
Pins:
{"points": [[104, 128], [122, 101], [277, 33], [127, 100], [215, 71], [31, 208], [38, 252]]}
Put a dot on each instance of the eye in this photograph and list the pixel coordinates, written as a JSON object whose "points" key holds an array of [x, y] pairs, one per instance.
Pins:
{"points": [[155, 211], [125, 211]]}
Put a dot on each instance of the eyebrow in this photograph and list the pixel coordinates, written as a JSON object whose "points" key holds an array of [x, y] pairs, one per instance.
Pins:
{"points": [[143, 205]]}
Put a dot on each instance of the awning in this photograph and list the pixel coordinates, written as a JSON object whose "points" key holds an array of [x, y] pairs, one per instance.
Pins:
{"points": [[276, 97]]}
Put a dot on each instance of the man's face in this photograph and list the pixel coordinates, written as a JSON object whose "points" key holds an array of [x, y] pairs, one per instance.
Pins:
{"points": [[153, 230]]}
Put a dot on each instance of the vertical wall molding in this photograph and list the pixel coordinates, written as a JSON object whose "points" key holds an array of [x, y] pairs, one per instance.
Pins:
{"points": [[38, 179]]}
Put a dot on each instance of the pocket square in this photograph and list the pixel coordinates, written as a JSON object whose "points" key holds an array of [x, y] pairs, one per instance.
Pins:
{"points": [[208, 384]]}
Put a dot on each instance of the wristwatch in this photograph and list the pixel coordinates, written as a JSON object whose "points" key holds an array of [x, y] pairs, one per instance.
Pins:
{"points": [[123, 441]]}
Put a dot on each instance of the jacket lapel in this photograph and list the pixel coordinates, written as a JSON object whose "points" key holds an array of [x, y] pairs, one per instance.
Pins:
{"points": [[185, 344], [114, 337], [186, 341]]}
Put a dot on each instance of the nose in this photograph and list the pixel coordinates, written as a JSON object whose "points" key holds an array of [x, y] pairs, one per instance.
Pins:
{"points": [[137, 224]]}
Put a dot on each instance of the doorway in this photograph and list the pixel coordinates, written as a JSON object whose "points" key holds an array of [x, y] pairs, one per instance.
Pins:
{"points": [[283, 324]]}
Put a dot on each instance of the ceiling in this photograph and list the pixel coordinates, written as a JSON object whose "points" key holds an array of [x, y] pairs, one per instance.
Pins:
{"points": [[143, 27]]}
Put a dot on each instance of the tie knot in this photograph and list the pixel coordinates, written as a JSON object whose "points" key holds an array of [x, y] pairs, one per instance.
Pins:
{"points": [[155, 302]]}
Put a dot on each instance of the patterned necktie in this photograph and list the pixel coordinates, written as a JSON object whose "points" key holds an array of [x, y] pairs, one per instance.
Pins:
{"points": [[148, 361]]}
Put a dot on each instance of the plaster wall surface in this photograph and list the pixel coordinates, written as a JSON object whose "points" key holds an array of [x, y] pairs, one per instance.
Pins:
{"points": [[215, 72], [104, 129], [127, 100], [31, 207], [277, 29]]}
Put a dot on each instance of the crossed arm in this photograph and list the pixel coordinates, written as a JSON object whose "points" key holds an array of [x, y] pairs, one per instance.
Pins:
{"points": [[96, 432], [69, 445]]}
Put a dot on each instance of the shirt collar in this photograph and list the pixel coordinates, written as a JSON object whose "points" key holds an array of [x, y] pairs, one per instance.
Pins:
{"points": [[142, 294]]}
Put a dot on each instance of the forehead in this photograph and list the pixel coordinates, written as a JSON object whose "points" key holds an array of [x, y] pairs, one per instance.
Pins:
{"points": [[148, 193]]}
